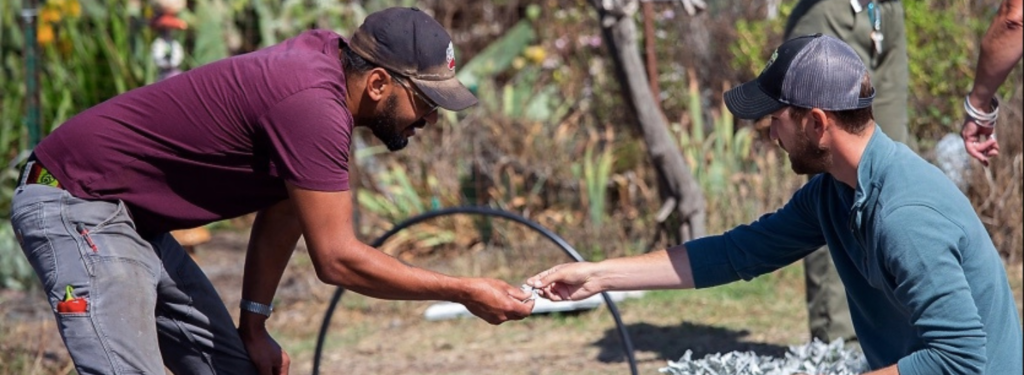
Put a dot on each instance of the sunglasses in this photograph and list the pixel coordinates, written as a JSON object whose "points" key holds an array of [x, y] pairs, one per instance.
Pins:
{"points": [[431, 106]]}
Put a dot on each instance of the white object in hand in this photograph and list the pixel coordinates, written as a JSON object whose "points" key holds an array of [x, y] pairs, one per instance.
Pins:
{"points": [[450, 310], [531, 290]]}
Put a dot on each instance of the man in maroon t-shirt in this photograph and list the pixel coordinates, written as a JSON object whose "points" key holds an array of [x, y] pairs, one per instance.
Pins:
{"points": [[265, 132]]}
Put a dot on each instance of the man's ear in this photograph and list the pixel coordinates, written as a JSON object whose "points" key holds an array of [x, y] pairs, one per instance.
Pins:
{"points": [[819, 123], [378, 84]]}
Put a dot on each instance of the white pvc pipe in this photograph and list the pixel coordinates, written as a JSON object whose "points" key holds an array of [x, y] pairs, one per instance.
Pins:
{"points": [[452, 310]]}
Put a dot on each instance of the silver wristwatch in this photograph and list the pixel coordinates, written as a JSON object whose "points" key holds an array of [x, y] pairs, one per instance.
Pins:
{"points": [[256, 307]]}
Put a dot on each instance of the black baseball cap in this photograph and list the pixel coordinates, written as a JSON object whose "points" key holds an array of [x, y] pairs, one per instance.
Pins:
{"points": [[409, 42], [811, 71]]}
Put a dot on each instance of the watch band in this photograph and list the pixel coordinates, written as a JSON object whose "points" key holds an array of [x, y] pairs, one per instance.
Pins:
{"points": [[256, 307]]}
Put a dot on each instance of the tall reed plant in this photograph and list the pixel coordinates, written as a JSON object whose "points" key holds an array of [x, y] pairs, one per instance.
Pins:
{"points": [[597, 171], [720, 160]]}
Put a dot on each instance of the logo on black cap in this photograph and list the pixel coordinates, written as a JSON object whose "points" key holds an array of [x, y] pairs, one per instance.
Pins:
{"points": [[775, 55], [450, 56]]}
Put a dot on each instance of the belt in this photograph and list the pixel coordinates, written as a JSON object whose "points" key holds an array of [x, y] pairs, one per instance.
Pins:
{"points": [[35, 173]]}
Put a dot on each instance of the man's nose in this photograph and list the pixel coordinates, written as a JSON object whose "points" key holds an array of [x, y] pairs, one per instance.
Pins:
{"points": [[431, 118]]}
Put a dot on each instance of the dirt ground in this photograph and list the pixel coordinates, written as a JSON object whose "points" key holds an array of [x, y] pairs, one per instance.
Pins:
{"points": [[370, 336]]}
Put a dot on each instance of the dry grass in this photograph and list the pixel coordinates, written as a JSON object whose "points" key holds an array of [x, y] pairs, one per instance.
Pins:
{"points": [[29, 342]]}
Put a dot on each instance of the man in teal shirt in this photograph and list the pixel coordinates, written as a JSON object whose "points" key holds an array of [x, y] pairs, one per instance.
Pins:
{"points": [[927, 289]]}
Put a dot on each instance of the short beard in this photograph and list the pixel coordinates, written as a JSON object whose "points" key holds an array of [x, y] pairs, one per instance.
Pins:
{"points": [[385, 126], [808, 159]]}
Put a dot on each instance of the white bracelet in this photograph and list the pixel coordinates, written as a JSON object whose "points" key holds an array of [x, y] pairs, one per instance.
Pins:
{"points": [[255, 307], [983, 119]]}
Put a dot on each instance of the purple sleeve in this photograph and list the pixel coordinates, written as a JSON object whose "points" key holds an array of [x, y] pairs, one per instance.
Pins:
{"points": [[308, 135]]}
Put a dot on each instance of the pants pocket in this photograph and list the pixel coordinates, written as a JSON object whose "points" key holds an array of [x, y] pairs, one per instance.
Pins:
{"points": [[87, 349], [83, 343], [117, 333], [29, 226], [106, 232]]}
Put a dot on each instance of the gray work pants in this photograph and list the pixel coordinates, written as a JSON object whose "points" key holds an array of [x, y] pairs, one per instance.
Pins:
{"points": [[149, 304]]}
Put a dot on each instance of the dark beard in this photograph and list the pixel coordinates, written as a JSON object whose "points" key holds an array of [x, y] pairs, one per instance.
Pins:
{"points": [[385, 126], [807, 159]]}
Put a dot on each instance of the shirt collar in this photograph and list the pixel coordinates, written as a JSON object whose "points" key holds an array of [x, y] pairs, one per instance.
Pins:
{"points": [[874, 159]]}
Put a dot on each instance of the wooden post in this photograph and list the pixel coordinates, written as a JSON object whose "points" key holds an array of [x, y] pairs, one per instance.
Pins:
{"points": [[649, 50], [675, 179]]}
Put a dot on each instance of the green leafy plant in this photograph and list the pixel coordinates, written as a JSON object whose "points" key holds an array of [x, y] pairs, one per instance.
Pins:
{"points": [[226, 27], [15, 272], [714, 156], [753, 37], [597, 170], [398, 199], [722, 163], [89, 51], [941, 48]]}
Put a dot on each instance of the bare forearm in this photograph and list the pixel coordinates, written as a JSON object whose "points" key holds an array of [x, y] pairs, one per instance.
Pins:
{"points": [[1001, 49], [275, 233], [367, 271], [662, 269], [264, 266], [341, 259]]}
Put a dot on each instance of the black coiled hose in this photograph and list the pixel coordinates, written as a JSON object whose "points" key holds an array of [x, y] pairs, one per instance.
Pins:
{"points": [[627, 344]]}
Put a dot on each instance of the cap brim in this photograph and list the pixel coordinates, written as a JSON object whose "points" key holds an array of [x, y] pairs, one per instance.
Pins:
{"points": [[747, 101], [450, 94]]}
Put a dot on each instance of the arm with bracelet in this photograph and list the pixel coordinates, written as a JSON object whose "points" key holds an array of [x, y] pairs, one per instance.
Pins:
{"points": [[1001, 49], [275, 233]]}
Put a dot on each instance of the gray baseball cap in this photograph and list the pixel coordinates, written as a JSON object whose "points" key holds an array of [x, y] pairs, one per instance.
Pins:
{"points": [[811, 71]]}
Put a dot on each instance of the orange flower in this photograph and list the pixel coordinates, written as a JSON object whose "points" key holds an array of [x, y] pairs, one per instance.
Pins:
{"points": [[72, 8], [49, 15], [44, 33]]}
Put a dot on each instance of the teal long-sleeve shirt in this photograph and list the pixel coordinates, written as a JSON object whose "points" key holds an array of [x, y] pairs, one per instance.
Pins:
{"points": [[926, 287]]}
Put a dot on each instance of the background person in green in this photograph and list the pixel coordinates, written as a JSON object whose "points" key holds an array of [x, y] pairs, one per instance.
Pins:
{"points": [[927, 288], [875, 30]]}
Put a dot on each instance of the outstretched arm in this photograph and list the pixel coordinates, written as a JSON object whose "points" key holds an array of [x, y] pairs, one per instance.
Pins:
{"points": [[341, 259], [663, 269], [1001, 49]]}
